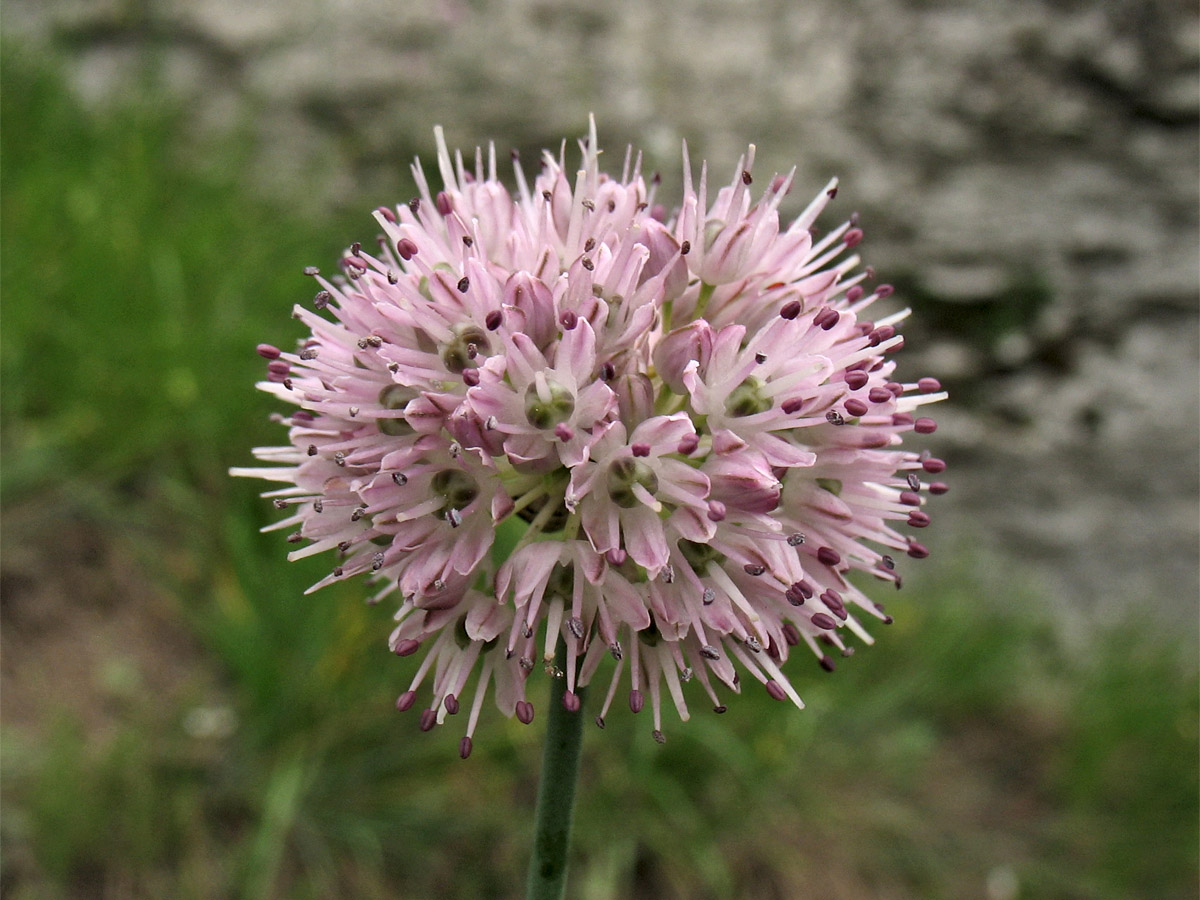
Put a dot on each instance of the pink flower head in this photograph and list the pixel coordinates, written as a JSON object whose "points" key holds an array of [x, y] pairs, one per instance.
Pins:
{"points": [[685, 430]]}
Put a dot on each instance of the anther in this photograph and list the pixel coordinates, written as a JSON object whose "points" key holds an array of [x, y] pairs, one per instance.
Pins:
{"points": [[636, 701], [858, 379], [312, 450], [833, 417], [917, 551], [464, 748], [659, 737], [823, 621], [918, 519], [524, 711], [760, 358], [929, 385], [754, 644], [454, 517], [405, 701], [879, 394], [754, 569], [493, 320], [340, 459], [311, 271], [443, 203], [569, 319], [470, 377], [792, 406], [710, 652], [884, 290], [910, 498], [608, 372], [709, 596], [938, 487], [589, 245], [720, 709], [933, 465], [685, 248], [888, 562], [295, 537], [318, 505], [828, 556], [668, 574], [640, 449], [924, 426], [716, 511], [570, 701], [451, 704], [587, 263], [615, 651], [377, 561], [791, 309], [575, 626], [464, 284], [589, 205], [428, 719], [267, 351], [747, 179], [400, 478], [600, 722], [406, 248], [856, 407], [776, 690]]}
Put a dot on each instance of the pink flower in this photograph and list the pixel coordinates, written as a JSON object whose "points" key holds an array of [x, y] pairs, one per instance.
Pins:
{"points": [[688, 429]]}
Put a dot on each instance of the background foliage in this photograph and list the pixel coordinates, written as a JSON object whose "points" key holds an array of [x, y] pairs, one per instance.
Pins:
{"points": [[180, 721]]}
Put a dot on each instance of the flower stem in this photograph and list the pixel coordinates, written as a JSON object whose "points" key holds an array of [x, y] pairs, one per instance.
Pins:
{"points": [[556, 794]]}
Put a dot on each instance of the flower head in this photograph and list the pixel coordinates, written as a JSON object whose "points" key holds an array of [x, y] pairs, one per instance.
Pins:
{"points": [[560, 416]]}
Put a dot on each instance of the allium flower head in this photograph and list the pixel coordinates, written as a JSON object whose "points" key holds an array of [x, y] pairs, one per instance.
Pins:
{"points": [[563, 415]]}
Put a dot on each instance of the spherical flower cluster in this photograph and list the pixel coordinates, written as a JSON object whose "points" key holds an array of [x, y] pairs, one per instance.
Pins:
{"points": [[563, 416]]}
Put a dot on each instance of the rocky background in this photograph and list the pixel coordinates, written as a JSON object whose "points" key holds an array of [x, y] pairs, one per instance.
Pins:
{"points": [[1026, 173]]}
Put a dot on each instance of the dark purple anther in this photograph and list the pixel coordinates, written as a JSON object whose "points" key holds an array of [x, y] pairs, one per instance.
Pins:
{"points": [[443, 203], [569, 319], [828, 556], [854, 294], [902, 419], [267, 351], [406, 647], [640, 449], [775, 689], [753, 569], [879, 394], [464, 284], [493, 320], [924, 426], [933, 465], [856, 407], [470, 377], [387, 214], [406, 248], [938, 487], [636, 701], [910, 498], [794, 595], [792, 406], [853, 237], [571, 701], [918, 519], [791, 634], [917, 551], [608, 372], [616, 556], [685, 248], [823, 621], [929, 385], [826, 663], [464, 748], [524, 711], [884, 290], [881, 334], [791, 309], [857, 379], [279, 367], [405, 701], [428, 719], [688, 444]]}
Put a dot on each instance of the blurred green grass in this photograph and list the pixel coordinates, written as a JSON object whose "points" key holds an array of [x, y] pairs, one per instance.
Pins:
{"points": [[971, 753]]}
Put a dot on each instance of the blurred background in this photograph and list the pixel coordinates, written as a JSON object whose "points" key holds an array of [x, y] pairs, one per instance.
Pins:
{"points": [[179, 721]]}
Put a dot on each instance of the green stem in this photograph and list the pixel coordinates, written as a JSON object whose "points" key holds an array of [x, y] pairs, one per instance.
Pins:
{"points": [[556, 794]]}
